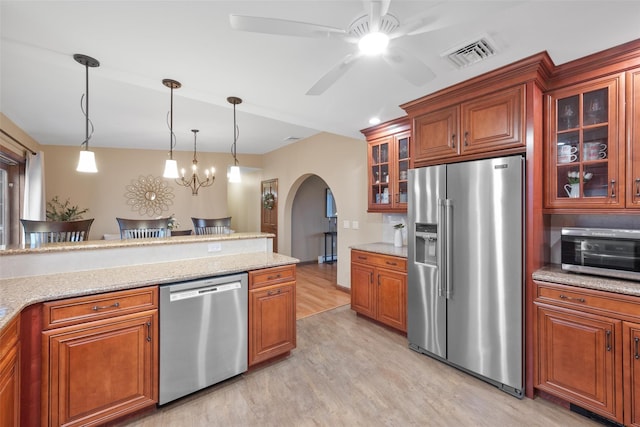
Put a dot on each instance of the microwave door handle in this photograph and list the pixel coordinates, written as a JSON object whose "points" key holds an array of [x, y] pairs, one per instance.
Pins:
{"points": [[441, 257], [589, 254]]}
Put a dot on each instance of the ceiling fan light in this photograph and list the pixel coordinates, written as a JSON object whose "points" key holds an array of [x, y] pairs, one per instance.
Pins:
{"points": [[170, 169], [87, 162], [373, 43]]}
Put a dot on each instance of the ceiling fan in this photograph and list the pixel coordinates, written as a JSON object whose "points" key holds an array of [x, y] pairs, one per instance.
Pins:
{"points": [[376, 28]]}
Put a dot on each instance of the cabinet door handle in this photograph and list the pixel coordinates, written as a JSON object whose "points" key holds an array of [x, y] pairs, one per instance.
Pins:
{"points": [[378, 279], [637, 187], [453, 141], [613, 188], [275, 292], [466, 134], [564, 297], [608, 333], [391, 263], [149, 331], [277, 276], [637, 355], [102, 307], [364, 258]]}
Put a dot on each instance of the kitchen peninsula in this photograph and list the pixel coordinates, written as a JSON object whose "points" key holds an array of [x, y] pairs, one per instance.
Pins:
{"points": [[128, 272]]}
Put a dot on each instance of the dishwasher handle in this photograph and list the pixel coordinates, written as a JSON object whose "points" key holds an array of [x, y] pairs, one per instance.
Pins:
{"points": [[203, 291]]}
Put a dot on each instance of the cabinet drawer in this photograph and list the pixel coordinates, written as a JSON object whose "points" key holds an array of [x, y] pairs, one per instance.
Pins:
{"points": [[9, 337], [379, 260], [590, 299], [94, 307], [272, 276]]}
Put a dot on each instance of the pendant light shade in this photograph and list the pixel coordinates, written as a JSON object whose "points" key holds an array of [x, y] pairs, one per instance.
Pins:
{"points": [[171, 166], [87, 162], [87, 159], [234, 171]]}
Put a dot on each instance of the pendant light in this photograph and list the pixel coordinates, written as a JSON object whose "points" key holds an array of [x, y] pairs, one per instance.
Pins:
{"points": [[171, 166], [194, 182], [234, 171], [87, 159]]}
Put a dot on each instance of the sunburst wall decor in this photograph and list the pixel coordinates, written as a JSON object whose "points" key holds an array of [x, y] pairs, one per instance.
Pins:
{"points": [[149, 196]]}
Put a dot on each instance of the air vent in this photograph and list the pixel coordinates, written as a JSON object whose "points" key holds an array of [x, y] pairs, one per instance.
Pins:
{"points": [[471, 53]]}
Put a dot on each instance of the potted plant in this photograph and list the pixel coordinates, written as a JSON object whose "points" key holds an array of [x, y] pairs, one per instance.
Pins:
{"points": [[63, 211]]}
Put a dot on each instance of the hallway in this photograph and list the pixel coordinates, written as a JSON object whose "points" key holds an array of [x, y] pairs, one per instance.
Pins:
{"points": [[316, 289]]}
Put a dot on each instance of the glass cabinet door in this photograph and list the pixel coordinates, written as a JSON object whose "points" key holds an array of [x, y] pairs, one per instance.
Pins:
{"points": [[380, 174], [402, 169], [583, 155]]}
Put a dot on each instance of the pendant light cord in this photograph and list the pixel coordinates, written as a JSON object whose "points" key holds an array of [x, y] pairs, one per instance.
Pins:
{"points": [[172, 136], [236, 135], [85, 111]]}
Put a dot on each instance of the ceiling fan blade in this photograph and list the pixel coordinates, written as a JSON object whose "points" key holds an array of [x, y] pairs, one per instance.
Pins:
{"points": [[333, 74], [256, 24], [408, 66], [376, 10]]}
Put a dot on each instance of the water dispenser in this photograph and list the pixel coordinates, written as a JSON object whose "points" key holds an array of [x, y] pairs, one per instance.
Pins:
{"points": [[426, 244]]}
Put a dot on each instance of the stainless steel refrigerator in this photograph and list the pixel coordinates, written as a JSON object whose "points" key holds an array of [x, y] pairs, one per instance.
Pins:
{"points": [[465, 290]]}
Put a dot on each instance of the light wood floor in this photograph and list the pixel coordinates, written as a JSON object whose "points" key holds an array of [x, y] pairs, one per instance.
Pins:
{"points": [[348, 371], [316, 289]]}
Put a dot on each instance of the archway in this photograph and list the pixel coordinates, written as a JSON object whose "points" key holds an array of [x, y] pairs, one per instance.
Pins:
{"points": [[313, 228]]}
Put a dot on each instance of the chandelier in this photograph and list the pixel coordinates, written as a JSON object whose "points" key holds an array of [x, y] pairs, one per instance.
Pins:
{"points": [[194, 182], [87, 160]]}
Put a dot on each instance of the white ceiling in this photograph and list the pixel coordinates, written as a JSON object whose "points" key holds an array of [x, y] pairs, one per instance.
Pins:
{"points": [[139, 43]]}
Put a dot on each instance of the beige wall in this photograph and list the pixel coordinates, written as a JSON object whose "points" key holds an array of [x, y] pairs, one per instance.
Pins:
{"points": [[104, 193], [342, 163]]}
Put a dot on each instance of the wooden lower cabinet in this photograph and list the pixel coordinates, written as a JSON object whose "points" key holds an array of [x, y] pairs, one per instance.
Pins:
{"points": [[98, 371], [272, 313], [580, 359], [10, 375], [379, 288], [587, 349], [631, 365]]}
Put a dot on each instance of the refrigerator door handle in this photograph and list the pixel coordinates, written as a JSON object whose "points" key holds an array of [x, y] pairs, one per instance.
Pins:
{"points": [[448, 244], [440, 249]]}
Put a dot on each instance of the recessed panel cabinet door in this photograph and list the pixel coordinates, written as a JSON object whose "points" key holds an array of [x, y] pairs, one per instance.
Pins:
{"points": [[437, 135], [580, 359], [100, 370], [632, 373], [362, 290], [392, 299]]}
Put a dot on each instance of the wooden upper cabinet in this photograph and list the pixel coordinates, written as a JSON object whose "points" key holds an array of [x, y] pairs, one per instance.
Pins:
{"points": [[493, 122], [585, 150], [389, 160], [437, 135], [482, 125], [633, 143]]}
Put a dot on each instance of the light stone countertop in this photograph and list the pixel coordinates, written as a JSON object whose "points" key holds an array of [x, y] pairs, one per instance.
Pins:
{"points": [[553, 273], [383, 248], [117, 243], [18, 293]]}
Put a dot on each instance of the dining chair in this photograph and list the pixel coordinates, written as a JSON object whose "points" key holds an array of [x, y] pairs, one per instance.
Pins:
{"points": [[143, 228], [212, 225], [37, 233]]}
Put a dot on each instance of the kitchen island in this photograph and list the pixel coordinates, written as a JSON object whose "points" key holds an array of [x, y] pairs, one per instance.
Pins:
{"points": [[63, 307]]}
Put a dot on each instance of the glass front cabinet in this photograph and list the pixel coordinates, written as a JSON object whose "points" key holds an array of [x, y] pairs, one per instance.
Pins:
{"points": [[585, 151], [389, 163]]}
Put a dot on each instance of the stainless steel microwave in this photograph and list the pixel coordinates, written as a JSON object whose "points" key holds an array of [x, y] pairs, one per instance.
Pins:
{"points": [[601, 251]]}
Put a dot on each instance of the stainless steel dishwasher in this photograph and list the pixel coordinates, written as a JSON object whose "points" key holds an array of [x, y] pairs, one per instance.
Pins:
{"points": [[203, 333]]}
